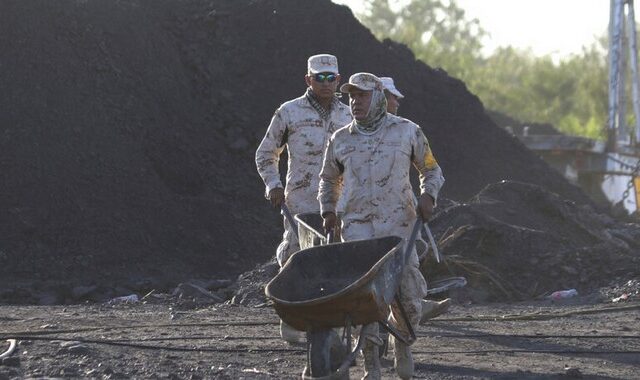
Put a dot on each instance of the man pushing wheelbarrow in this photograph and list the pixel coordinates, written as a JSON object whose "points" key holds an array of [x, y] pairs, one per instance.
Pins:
{"points": [[372, 277], [365, 174]]}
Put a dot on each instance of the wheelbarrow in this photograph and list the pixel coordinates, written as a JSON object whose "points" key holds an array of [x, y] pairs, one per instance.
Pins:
{"points": [[340, 285]]}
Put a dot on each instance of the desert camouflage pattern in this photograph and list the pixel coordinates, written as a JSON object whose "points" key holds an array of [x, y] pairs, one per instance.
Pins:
{"points": [[375, 173], [376, 198], [307, 135]]}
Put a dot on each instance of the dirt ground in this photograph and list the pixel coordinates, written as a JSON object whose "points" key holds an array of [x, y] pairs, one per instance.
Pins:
{"points": [[535, 340]]}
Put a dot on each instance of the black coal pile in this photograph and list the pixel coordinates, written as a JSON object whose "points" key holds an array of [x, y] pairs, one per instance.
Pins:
{"points": [[516, 241], [129, 130], [248, 290]]}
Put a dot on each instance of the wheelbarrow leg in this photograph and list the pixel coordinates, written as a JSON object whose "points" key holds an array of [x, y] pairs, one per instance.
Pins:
{"points": [[343, 371], [319, 352]]}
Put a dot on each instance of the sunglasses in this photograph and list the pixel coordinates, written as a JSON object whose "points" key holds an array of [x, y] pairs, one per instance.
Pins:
{"points": [[324, 77]]}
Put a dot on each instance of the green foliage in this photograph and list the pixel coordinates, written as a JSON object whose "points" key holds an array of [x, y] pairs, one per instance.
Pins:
{"points": [[571, 94], [436, 31]]}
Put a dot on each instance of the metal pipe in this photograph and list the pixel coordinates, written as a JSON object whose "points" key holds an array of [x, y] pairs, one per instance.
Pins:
{"points": [[622, 134], [633, 56], [289, 217], [615, 18]]}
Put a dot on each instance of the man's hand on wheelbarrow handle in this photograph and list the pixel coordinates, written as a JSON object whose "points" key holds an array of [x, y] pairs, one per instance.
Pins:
{"points": [[425, 207], [329, 221], [276, 197]]}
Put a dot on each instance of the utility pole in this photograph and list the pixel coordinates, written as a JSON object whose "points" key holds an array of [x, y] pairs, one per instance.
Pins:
{"points": [[635, 80], [617, 132]]}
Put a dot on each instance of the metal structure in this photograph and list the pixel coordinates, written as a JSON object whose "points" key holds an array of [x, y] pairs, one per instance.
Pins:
{"points": [[618, 133], [609, 172]]}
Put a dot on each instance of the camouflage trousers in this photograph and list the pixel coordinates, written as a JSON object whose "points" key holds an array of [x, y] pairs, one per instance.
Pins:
{"points": [[413, 287], [289, 244]]}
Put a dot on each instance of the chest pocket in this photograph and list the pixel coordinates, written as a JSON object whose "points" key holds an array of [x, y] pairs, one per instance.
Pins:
{"points": [[390, 164], [356, 165], [308, 127], [308, 135]]}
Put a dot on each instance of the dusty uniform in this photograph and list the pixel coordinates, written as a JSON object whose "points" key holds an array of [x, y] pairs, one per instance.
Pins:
{"points": [[377, 198], [305, 132]]}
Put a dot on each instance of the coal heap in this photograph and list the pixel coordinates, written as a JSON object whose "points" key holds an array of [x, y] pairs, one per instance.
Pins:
{"points": [[515, 241], [129, 130]]}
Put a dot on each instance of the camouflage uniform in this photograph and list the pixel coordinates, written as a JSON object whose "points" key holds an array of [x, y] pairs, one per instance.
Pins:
{"points": [[299, 126], [376, 198]]}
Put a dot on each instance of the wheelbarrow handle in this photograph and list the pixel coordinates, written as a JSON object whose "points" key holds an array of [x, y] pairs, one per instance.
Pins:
{"points": [[288, 217], [330, 236], [412, 238], [432, 242]]}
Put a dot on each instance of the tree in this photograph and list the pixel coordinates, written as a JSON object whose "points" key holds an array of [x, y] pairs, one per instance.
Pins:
{"points": [[436, 31], [571, 95]]}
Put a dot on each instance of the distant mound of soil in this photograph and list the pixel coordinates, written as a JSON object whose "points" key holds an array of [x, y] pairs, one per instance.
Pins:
{"points": [[516, 241], [129, 130], [513, 242]]}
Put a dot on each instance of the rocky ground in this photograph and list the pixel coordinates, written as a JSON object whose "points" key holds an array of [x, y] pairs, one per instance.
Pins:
{"points": [[156, 339]]}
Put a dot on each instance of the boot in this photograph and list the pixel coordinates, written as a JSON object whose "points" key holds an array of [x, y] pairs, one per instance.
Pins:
{"points": [[432, 309], [290, 335], [370, 351], [403, 361]]}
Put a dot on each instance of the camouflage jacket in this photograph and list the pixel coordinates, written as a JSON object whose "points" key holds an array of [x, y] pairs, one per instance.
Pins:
{"points": [[374, 170], [305, 133]]}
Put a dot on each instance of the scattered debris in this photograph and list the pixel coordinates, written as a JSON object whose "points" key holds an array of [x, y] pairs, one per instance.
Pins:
{"points": [[563, 294], [195, 294], [132, 298], [572, 373], [10, 350], [623, 297]]}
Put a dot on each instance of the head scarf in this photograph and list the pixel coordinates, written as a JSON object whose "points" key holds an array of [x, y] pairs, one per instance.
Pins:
{"points": [[377, 111]]}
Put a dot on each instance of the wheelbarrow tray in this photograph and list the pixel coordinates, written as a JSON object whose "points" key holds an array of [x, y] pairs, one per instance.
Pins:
{"points": [[324, 286]]}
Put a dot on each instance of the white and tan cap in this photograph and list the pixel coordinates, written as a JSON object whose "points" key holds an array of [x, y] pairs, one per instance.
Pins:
{"points": [[362, 81], [387, 83], [322, 63]]}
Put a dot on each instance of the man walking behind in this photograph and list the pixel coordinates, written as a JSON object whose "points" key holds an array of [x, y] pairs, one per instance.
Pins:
{"points": [[430, 309], [302, 125]]}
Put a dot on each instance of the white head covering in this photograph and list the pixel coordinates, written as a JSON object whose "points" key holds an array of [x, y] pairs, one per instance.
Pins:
{"points": [[387, 83]]}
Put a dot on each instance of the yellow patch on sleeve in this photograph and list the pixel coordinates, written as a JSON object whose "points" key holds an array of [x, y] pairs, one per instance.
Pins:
{"points": [[430, 161]]}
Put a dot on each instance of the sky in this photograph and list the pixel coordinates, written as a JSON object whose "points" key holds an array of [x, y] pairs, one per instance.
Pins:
{"points": [[548, 27]]}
